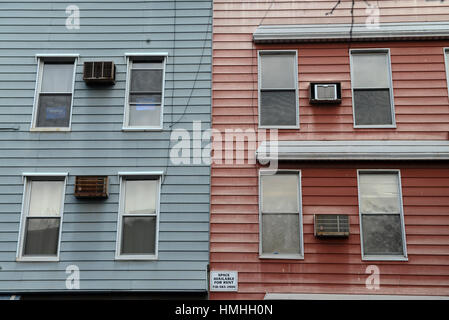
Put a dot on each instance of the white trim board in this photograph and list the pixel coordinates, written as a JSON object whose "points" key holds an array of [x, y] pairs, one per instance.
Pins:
{"points": [[361, 32], [315, 296], [353, 150]]}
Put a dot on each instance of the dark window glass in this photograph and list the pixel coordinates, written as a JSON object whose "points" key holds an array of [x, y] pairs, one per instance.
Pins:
{"points": [[41, 236], [278, 108], [372, 107], [54, 110], [382, 234], [139, 235]]}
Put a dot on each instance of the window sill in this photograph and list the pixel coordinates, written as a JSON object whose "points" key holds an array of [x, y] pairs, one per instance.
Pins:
{"points": [[37, 259], [281, 256], [388, 126], [280, 127], [136, 257], [384, 258], [50, 129]]}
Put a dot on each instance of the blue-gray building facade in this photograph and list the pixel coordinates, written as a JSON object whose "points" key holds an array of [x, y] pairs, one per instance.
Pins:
{"points": [[151, 232]]}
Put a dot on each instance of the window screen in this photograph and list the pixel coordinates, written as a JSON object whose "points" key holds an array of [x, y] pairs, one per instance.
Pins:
{"points": [[55, 95], [280, 213], [380, 209], [372, 92], [145, 93], [139, 216], [278, 89], [42, 217]]}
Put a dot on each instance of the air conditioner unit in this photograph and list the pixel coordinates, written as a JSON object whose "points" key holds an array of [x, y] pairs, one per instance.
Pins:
{"points": [[99, 72], [331, 225], [91, 187], [325, 93]]}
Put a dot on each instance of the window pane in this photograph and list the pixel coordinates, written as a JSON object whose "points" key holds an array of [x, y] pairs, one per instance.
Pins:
{"points": [[280, 233], [278, 108], [54, 110], [46, 197], [145, 99], [41, 236], [382, 234], [278, 71], [280, 193], [144, 115], [372, 107], [57, 77], [141, 196], [370, 70], [139, 235], [146, 81], [379, 193]]}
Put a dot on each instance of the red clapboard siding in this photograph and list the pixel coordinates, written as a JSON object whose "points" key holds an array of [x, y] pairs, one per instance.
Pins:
{"points": [[419, 84], [335, 266]]}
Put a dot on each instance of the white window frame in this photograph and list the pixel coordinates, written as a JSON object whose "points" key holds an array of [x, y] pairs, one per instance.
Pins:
{"points": [[446, 66], [41, 59], [123, 176], [129, 59], [27, 179], [393, 113], [401, 207], [259, 87], [299, 256]]}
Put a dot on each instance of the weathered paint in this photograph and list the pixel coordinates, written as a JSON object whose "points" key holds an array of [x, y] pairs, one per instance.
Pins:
{"points": [[333, 265], [422, 113], [96, 144]]}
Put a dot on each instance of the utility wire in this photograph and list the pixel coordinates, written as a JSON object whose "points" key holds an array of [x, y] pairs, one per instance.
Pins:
{"points": [[194, 82]]}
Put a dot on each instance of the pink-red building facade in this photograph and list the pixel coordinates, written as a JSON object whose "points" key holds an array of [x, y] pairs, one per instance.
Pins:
{"points": [[378, 155]]}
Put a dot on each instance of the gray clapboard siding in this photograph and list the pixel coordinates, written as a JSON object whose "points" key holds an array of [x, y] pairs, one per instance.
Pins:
{"points": [[97, 145]]}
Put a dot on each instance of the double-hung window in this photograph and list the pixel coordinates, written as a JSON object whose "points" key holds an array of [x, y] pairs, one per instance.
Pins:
{"points": [[372, 89], [381, 215], [54, 93], [145, 93], [280, 215], [278, 89], [42, 212], [138, 217]]}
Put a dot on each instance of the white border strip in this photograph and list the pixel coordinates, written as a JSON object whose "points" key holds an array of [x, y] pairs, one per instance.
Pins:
{"points": [[316, 296], [143, 173]]}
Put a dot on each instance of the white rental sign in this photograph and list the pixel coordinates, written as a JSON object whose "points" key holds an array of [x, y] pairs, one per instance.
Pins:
{"points": [[224, 281]]}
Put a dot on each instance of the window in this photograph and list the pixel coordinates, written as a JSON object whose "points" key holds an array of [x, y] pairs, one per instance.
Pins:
{"points": [[138, 217], [54, 93], [278, 89], [145, 93], [41, 218], [280, 215], [372, 90], [381, 215]]}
